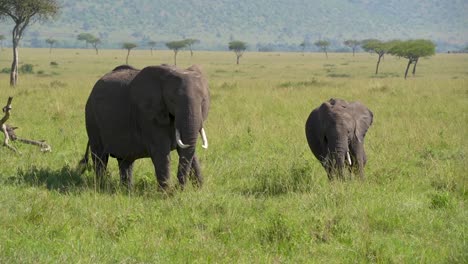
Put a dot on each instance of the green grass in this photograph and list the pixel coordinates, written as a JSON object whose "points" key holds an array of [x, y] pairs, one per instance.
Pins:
{"points": [[266, 198]]}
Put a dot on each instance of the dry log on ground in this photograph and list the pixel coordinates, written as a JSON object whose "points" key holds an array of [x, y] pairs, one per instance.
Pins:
{"points": [[10, 134]]}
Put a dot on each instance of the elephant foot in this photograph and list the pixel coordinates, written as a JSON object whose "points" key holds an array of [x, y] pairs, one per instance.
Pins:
{"points": [[182, 181], [163, 186]]}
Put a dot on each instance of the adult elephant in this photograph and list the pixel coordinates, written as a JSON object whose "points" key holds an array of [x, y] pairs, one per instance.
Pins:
{"points": [[335, 132], [133, 114]]}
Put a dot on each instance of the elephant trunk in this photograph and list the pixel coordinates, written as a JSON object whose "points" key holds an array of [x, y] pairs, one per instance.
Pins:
{"points": [[357, 150], [179, 140], [188, 124], [183, 146]]}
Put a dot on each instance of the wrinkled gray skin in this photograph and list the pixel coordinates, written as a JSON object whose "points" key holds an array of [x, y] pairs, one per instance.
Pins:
{"points": [[133, 114], [335, 128]]}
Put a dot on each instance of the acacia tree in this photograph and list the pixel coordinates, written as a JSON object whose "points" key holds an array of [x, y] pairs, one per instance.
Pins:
{"points": [[86, 37], [379, 47], [51, 43], [128, 46], [189, 43], [413, 50], [23, 13], [323, 46], [2, 38], [95, 42], [238, 47], [152, 43], [303, 46], [353, 44], [176, 46]]}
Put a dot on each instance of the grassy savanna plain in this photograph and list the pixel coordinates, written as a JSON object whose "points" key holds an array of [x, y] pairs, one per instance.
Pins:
{"points": [[266, 198]]}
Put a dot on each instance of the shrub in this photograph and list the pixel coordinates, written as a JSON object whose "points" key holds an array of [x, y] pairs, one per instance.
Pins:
{"points": [[339, 75], [6, 70], [441, 200], [276, 180], [57, 84], [26, 68]]}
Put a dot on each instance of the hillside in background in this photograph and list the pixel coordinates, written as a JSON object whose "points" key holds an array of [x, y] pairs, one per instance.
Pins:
{"points": [[261, 23]]}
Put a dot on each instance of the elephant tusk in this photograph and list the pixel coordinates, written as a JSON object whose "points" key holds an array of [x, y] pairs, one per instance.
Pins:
{"points": [[204, 138], [348, 157], [179, 141]]}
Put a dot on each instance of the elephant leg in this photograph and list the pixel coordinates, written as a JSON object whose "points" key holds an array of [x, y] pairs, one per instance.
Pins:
{"points": [[126, 170], [162, 163], [195, 172], [329, 169], [329, 173], [100, 160]]}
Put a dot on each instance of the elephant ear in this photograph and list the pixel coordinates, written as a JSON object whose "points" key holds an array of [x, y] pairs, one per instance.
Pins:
{"points": [[197, 70], [363, 118], [147, 94]]}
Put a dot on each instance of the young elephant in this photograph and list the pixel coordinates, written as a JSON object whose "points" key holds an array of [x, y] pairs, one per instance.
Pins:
{"points": [[133, 114], [335, 132]]}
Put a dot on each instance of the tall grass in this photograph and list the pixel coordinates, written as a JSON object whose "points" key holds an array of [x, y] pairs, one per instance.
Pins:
{"points": [[266, 198]]}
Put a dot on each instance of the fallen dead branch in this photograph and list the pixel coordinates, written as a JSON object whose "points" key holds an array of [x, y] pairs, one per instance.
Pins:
{"points": [[10, 134]]}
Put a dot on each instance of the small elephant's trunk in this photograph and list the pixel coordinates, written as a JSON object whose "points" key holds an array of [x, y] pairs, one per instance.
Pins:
{"points": [[340, 155]]}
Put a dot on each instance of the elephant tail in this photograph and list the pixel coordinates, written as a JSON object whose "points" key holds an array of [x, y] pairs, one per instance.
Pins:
{"points": [[84, 162]]}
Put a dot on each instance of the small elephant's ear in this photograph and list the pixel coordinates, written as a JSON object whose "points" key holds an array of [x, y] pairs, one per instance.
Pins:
{"points": [[147, 95], [363, 117]]}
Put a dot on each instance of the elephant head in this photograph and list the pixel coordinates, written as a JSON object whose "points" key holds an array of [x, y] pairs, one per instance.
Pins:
{"points": [[335, 132], [172, 103]]}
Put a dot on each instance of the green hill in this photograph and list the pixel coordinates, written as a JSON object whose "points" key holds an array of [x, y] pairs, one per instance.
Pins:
{"points": [[278, 24]]}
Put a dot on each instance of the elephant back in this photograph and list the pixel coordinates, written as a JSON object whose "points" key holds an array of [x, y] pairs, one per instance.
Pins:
{"points": [[122, 74]]}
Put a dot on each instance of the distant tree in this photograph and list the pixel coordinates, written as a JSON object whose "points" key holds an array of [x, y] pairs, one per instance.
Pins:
{"points": [[176, 46], [51, 43], [128, 46], [238, 47], [413, 50], [377, 46], [303, 46], [86, 37], [189, 43], [23, 12], [2, 38], [353, 44], [151, 43], [95, 42], [323, 46]]}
